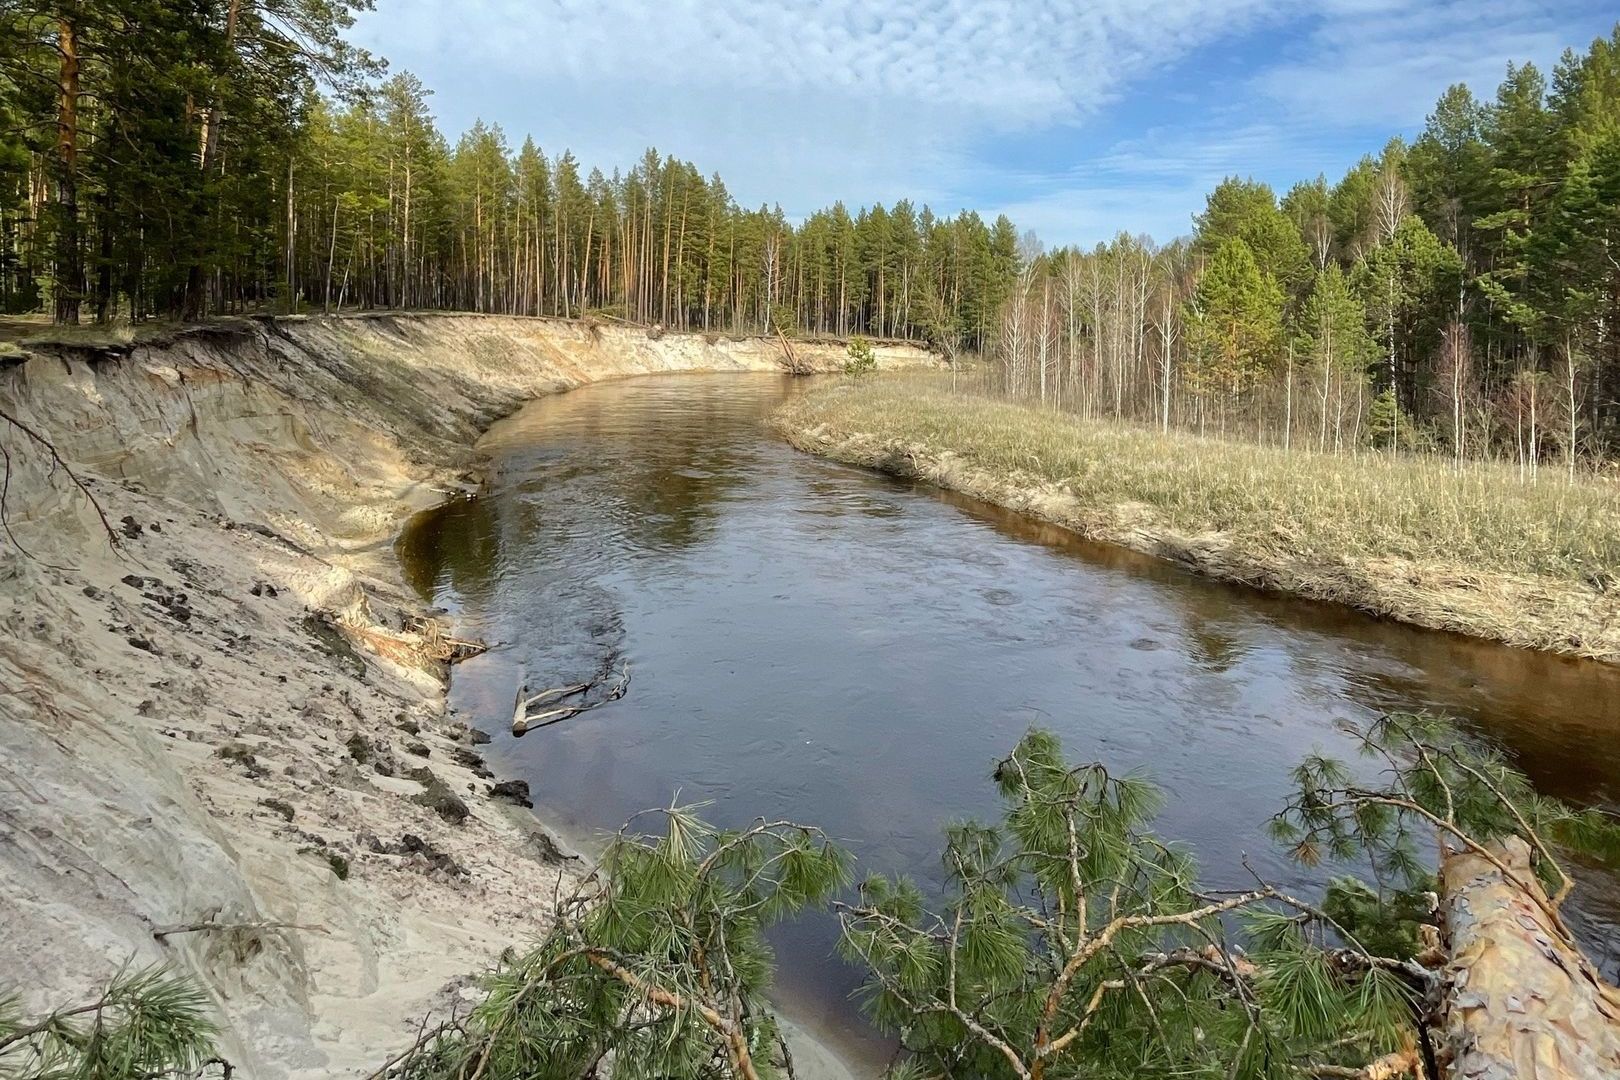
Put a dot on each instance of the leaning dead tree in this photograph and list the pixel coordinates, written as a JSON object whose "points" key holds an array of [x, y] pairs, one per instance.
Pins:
{"points": [[792, 362]]}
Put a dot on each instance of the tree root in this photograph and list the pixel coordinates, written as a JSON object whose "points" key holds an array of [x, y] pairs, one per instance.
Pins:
{"points": [[163, 932], [57, 462]]}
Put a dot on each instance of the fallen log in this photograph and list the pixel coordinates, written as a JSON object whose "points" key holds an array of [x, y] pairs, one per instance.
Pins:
{"points": [[1520, 1001]]}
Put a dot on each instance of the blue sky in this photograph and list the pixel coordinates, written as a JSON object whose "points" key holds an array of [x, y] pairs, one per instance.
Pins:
{"points": [[1078, 119]]}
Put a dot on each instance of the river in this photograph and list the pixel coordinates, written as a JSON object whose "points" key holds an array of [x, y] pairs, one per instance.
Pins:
{"points": [[817, 642]]}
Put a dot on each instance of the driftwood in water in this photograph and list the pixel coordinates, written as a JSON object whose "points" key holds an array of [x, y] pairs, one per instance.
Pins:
{"points": [[524, 719], [1521, 1001]]}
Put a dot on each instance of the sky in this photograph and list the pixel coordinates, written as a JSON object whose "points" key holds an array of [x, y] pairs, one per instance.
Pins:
{"points": [[1077, 119]]}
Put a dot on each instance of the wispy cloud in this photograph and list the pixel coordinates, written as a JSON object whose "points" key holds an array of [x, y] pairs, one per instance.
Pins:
{"points": [[1381, 63], [1128, 111], [1350, 75], [1014, 63], [798, 103]]}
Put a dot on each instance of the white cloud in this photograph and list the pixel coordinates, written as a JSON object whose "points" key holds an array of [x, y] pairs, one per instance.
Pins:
{"points": [[1152, 183], [803, 103], [1359, 72], [1383, 64], [799, 103], [1034, 61]]}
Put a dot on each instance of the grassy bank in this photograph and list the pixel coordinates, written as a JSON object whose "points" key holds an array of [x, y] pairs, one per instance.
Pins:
{"points": [[1472, 550]]}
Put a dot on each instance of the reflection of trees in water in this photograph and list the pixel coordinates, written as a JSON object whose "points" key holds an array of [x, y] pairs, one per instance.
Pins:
{"points": [[457, 544], [611, 474], [1208, 640], [672, 500], [1542, 710], [594, 483], [665, 499]]}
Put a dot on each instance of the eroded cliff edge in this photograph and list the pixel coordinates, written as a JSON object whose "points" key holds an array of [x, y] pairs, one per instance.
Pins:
{"points": [[213, 735]]}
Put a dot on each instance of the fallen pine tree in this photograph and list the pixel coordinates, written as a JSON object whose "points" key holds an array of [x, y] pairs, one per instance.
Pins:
{"points": [[1071, 941], [1521, 1000]]}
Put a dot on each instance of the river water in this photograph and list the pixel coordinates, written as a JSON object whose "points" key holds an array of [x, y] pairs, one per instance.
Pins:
{"points": [[821, 643]]}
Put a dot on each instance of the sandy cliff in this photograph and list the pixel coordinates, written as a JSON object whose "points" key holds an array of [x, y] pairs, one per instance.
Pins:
{"points": [[224, 719]]}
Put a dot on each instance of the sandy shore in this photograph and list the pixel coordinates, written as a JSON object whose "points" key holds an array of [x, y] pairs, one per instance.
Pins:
{"points": [[223, 740]]}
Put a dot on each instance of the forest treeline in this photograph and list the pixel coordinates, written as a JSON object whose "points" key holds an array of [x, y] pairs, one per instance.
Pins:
{"points": [[1461, 292], [180, 159], [177, 159]]}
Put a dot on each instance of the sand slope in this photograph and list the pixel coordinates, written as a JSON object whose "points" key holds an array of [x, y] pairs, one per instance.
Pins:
{"points": [[196, 726]]}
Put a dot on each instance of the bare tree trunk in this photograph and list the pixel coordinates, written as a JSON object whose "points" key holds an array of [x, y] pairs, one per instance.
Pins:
{"points": [[1288, 411], [1535, 446], [1569, 390], [68, 288], [1361, 411], [292, 233], [1327, 375], [1458, 436], [1518, 429], [1046, 320], [214, 117], [331, 255], [1394, 375], [1167, 344], [208, 157]]}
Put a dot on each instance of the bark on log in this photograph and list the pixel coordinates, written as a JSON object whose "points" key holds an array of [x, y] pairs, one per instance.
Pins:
{"points": [[1521, 1002]]}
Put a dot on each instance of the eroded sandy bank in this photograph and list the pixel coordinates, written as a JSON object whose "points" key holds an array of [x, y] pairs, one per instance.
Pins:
{"points": [[224, 719]]}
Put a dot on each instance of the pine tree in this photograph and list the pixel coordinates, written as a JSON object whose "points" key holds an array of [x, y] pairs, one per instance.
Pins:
{"points": [[146, 1024], [658, 959], [1407, 283], [1449, 167], [1248, 211], [1235, 321]]}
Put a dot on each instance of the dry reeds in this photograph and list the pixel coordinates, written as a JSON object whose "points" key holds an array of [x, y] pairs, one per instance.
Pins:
{"points": [[1469, 548]]}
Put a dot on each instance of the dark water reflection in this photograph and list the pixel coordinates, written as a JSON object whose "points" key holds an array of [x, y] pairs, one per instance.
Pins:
{"points": [[821, 643]]}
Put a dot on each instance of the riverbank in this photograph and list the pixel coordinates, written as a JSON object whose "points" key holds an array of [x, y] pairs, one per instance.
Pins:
{"points": [[223, 737], [1472, 551]]}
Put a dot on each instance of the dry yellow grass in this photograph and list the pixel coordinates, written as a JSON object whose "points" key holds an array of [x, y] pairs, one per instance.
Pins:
{"points": [[1470, 549]]}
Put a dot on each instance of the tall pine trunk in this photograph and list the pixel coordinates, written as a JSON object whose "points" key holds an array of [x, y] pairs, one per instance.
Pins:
{"points": [[214, 119], [69, 255]]}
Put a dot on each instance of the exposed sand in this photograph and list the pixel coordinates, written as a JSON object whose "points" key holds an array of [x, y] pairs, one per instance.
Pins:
{"points": [[248, 651]]}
